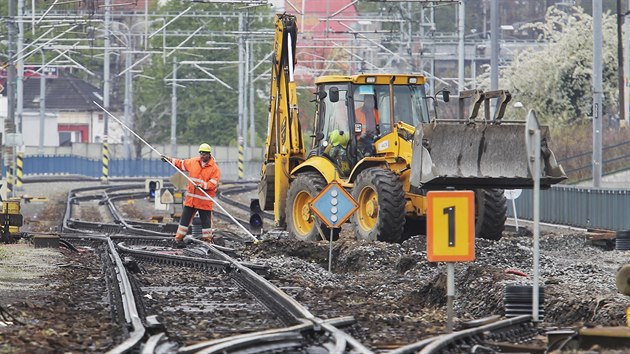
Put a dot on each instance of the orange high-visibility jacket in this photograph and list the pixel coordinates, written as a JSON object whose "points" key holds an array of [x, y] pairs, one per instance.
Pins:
{"points": [[206, 176], [369, 121]]}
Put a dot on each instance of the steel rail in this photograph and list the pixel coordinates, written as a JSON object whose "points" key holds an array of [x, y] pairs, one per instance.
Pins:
{"points": [[129, 304], [282, 305], [451, 341], [174, 259]]}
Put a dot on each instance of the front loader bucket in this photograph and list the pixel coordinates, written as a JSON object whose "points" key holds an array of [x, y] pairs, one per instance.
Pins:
{"points": [[478, 156]]}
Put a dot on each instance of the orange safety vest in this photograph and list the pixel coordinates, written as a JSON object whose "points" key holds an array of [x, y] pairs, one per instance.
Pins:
{"points": [[360, 117], [207, 176]]}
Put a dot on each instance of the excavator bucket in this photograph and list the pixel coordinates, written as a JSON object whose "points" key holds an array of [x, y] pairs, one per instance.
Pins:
{"points": [[463, 155]]}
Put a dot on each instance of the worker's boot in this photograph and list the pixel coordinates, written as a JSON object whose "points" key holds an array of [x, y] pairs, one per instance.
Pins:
{"points": [[179, 236], [206, 235], [179, 243]]}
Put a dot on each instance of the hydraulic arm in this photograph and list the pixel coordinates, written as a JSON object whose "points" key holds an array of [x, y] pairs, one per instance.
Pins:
{"points": [[284, 145]]}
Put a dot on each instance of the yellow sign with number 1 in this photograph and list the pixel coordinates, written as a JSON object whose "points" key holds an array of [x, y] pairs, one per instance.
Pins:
{"points": [[451, 226]]}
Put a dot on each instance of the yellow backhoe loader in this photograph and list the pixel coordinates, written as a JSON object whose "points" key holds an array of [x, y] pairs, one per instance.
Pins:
{"points": [[373, 134]]}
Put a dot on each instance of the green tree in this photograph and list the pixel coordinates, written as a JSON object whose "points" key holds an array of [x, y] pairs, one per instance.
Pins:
{"points": [[206, 111]]}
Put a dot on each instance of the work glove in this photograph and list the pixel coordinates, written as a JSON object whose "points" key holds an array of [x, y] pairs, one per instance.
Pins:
{"points": [[198, 186], [165, 158]]}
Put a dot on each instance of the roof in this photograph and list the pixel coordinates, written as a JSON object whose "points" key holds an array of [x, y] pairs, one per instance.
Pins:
{"points": [[378, 78], [65, 94]]}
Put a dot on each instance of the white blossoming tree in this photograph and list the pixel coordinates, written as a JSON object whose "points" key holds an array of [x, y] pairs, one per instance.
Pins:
{"points": [[556, 79]]}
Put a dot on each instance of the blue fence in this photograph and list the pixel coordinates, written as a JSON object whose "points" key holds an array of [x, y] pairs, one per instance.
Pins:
{"points": [[77, 165], [599, 208], [35, 165]]}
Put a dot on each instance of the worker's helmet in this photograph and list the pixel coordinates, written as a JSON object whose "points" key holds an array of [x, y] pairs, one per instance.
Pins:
{"points": [[339, 138], [204, 148]]}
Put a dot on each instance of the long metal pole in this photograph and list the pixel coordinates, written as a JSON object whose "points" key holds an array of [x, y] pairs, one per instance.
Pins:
{"points": [[626, 66], [461, 47], [620, 74], [432, 69], [494, 45], [127, 100], [20, 69], [252, 97], [178, 170], [9, 124], [536, 251], [241, 96], [597, 93], [245, 92], [174, 110], [42, 104], [106, 89], [241, 59], [450, 295]]}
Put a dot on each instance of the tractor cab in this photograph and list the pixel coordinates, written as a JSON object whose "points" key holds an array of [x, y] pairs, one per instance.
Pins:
{"points": [[354, 113]]}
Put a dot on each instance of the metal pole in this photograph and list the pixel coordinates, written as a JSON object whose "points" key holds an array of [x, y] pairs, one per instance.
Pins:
{"points": [[597, 93], [127, 103], [245, 92], [450, 295], [20, 69], [330, 248], [241, 59], [620, 61], [626, 67], [106, 83], [303, 17], [515, 216], [494, 44], [535, 298], [174, 110], [42, 104], [9, 124], [461, 48], [10, 87], [146, 24], [241, 94], [252, 97], [432, 86], [132, 113], [20, 97]]}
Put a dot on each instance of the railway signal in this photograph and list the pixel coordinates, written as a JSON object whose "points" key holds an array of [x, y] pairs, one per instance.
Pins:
{"points": [[255, 217]]}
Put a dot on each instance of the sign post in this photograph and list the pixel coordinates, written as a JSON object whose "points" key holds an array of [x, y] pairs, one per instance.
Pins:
{"points": [[532, 141], [512, 194], [333, 205], [450, 236]]}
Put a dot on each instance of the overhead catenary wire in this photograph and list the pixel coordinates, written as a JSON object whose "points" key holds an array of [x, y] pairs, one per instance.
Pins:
{"points": [[179, 171]]}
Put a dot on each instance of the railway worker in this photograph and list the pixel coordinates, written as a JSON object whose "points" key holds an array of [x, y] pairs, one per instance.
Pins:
{"points": [[369, 118], [337, 150], [205, 174], [367, 114]]}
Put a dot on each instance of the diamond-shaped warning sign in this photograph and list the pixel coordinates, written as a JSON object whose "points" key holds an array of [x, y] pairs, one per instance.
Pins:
{"points": [[334, 205]]}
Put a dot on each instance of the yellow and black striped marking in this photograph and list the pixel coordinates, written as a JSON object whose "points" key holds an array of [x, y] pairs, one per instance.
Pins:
{"points": [[105, 176], [240, 161], [20, 170], [9, 177]]}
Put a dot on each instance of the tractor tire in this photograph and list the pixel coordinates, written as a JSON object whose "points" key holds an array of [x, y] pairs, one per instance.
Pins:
{"points": [[301, 221], [491, 213], [381, 213]]}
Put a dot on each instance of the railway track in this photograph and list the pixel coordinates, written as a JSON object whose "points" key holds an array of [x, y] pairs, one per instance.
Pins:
{"points": [[171, 282], [205, 294]]}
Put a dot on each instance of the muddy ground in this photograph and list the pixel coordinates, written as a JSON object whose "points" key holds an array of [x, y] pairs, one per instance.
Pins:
{"points": [[396, 295]]}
